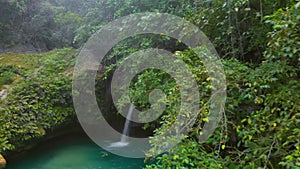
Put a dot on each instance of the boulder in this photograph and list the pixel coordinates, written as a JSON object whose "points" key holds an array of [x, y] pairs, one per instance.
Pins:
{"points": [[2, 162]]}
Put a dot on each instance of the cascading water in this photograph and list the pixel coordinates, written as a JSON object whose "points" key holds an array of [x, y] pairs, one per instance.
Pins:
{"points": [[123, 142], [126, 126]]}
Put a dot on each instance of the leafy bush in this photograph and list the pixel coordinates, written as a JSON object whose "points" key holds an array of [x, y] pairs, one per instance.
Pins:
{"points": [[285, 37], [188, 155], [41, 101], [259, 128], [7, 74], [7, 77], [261, 122]]}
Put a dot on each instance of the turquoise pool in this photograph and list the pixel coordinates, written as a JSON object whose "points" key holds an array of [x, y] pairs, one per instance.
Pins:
{"points": [[72, 153]]}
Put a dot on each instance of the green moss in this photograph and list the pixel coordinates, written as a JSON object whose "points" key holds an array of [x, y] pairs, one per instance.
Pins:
{"points": [[31, 61]]}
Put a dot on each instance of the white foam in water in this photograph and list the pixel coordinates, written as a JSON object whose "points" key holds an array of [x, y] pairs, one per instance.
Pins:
{"points": [[123, 142], [118, 144]]}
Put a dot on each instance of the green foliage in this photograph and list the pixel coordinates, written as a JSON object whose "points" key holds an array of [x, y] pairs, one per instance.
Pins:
{"points": [[264, 124], [187, 155], [40, 101], [260, 125], [103, 12], [259, 128], [285, 37], [67, 24], [227, 24], [261, 122], [7, 74]]}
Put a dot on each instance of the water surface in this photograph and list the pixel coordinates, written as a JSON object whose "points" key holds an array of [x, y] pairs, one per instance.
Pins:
{"points": [[73, 153]]}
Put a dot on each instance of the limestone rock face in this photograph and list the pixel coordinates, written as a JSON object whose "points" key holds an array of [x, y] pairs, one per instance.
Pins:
{"points": [[2, 162]]}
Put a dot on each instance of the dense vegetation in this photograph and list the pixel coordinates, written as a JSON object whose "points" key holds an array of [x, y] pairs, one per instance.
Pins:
{"points": [[257, 40], [39, 99]]}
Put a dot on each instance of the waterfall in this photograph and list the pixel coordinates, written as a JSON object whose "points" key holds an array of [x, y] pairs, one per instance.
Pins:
{"points": [[126, 126], [123, 142]]}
